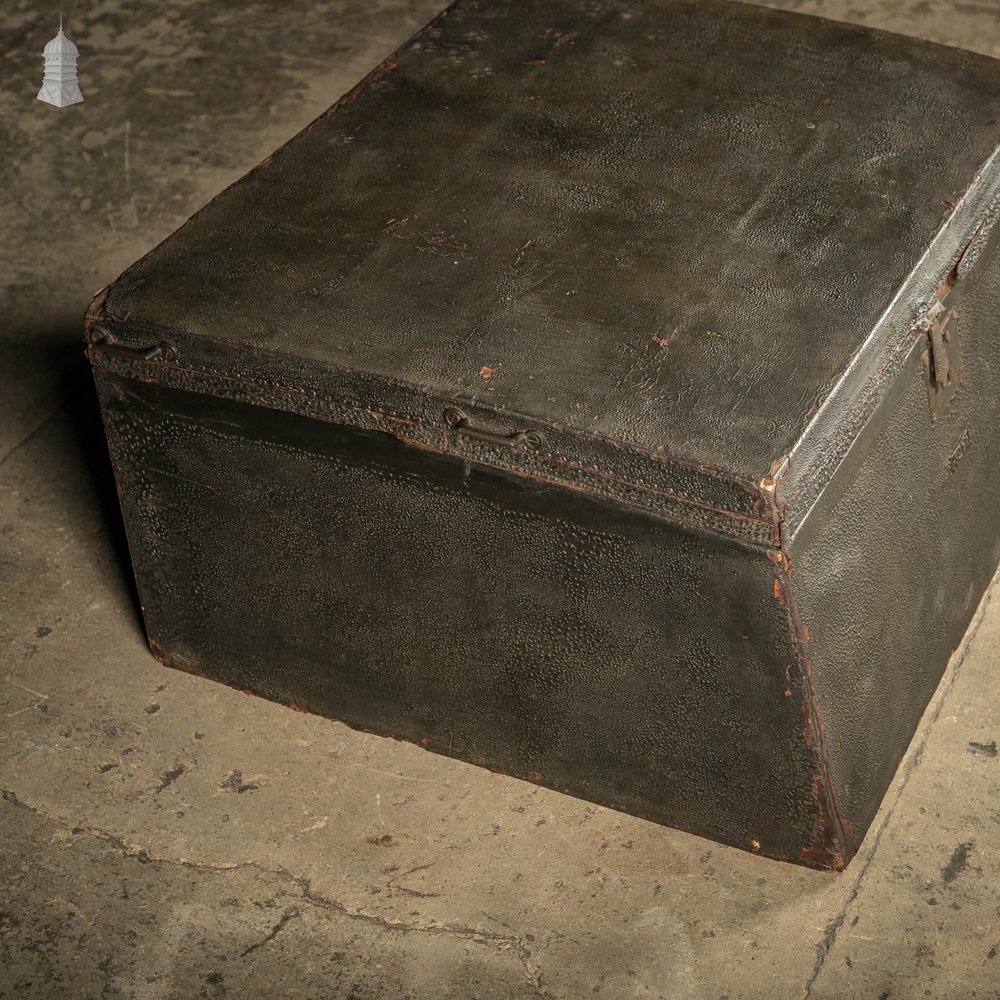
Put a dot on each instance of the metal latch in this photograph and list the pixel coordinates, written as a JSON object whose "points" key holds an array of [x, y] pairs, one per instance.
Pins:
{"points": [[942, 360]]}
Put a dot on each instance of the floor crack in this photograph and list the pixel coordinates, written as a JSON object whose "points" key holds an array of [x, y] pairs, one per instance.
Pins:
{"points": [[32, 434], [501, 942], [288, 915]]}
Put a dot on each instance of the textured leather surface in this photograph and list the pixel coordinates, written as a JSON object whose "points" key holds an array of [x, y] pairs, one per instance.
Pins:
{"points": [[667, 222], [659, 235], [889, 580], [684, 493], [513, 625]]}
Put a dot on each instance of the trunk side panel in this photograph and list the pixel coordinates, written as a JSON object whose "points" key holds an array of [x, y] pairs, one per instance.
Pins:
{"points": [[888, 579]]}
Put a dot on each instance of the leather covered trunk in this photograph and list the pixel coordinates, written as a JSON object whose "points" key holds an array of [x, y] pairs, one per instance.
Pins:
{"points": [[605, 393]]}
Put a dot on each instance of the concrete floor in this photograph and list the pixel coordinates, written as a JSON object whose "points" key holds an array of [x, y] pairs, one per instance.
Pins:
{"points": [[165, 837]]}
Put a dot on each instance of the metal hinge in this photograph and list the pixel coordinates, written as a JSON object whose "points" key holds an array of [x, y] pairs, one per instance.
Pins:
{"points": [[942, 358]]}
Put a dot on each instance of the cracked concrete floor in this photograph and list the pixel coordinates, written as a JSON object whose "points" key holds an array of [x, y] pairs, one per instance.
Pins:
{"points": [[162, 836]]}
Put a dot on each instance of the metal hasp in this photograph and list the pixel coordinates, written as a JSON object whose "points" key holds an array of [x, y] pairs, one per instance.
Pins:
{"points": [[942, 360]]}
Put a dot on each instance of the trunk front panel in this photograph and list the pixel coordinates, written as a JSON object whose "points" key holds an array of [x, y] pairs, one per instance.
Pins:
{"points": [[518, 626]]}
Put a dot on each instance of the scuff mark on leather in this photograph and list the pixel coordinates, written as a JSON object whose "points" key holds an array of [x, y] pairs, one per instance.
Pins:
{"points": [[833, 836]]}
